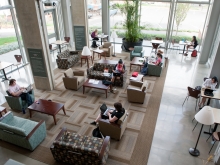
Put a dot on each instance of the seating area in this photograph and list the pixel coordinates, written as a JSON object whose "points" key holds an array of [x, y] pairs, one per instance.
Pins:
{"points": [[108, 48]]}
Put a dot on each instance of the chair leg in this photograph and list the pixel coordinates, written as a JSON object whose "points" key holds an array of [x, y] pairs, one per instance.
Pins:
{"points": [[196, 103], [195, 126], [185, 100], [208, 137], [193, 119], [212, 147]]}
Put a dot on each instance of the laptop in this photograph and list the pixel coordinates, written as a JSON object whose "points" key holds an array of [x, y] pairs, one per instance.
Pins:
{"points": [[209, 92], [117, 73], [28, 89]]}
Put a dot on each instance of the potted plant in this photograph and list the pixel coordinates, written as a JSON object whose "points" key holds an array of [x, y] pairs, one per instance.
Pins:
{"points": [[132, 25]]}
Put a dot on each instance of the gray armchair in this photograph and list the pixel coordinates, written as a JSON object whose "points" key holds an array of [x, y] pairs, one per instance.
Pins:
{"points": [[107, 48], [16, 103], [137, 52]]}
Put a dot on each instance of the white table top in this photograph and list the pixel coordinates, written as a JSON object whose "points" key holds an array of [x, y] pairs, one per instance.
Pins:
{"points": [[157, 41], [216, 94], [184, 43], [59, 42], [104, 36], [98, 51], [4, 65]]}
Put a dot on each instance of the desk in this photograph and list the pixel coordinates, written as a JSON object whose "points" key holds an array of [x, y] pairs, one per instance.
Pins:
{"points": [[156, 41], [59, 43], [4, 65], [216, 95], [102, 37], [184, 43]]}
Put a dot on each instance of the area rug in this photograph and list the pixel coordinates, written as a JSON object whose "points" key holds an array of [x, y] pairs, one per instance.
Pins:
{"points": [[81, 109]]}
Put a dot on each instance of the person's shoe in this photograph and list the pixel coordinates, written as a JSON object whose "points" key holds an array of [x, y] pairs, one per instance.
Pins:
{"points": [[93, 123], [112, 91]]}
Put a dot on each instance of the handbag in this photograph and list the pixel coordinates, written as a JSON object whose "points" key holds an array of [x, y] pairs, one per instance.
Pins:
{"points": [[103, 108], [96, 133]]}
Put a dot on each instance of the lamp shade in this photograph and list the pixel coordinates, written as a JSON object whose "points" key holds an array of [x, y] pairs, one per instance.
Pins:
{"points": [[114, 35], [86, 51], [205, 116]]}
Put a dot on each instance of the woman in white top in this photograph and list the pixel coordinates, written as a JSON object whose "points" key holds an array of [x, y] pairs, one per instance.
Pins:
{"points": [[208, 83]]}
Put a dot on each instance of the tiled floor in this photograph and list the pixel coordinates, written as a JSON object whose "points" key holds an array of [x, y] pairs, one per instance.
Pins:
{"points": [[173, 134]]}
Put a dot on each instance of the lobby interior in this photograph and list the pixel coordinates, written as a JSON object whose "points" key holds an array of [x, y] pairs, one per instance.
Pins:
{"points": [[173, 134]]}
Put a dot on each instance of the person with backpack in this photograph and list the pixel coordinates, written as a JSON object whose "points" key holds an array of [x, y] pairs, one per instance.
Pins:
{"points": [[193, 45]]}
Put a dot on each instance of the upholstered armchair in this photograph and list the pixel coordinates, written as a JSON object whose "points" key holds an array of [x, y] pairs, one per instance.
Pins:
{"points": [[16, 103], [137, 52], [108, 48], [73, 79], [136, 91], [115, 131]]}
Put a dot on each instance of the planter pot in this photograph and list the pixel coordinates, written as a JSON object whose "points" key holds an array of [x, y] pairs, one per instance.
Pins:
{"points": [[126, 45]]}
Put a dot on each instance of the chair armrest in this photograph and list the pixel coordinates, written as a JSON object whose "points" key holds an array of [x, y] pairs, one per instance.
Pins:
{"points": [[105, 144], [108, 122], [61, 133], [35, 128], [136, 83], [79, 73]]}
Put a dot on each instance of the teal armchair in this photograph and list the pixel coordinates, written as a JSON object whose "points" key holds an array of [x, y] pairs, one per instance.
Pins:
{"points": [[16, 103], [154, 70], [137, 52]]}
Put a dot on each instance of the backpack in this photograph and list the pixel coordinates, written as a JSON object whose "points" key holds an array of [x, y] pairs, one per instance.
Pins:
{"points": [[94, 45], [96, 133], [194, 53]]}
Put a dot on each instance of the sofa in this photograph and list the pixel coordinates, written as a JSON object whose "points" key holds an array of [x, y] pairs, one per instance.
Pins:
{"points": [[76, 149], [73, 79], [22, 132], [97, 70], [67, 59], [107, 48], [136, 91], [154, 70], [115, 131], [16, 103]]}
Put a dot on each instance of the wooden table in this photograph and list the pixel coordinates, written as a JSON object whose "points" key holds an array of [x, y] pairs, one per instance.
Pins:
{"points": [[2, 109], [99, 52], [108, 62], [4, 65], [102, 37], [96, 86], [46, 107], [136, 61], [59, 43]]}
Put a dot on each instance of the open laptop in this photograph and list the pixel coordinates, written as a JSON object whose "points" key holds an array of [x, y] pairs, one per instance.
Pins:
{"points": [[28, 89], [209, 92], [117, 73]]}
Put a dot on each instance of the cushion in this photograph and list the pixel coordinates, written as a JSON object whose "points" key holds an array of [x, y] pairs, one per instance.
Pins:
{"points": [[80, 79], [138, 49], [105, 49], [13, 129], [134, 74], [107, 44], [68, 73]]}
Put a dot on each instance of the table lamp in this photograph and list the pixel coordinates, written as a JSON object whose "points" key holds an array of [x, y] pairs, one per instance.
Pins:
{"points": [[114, 35], [205, 117], [86, 51]]}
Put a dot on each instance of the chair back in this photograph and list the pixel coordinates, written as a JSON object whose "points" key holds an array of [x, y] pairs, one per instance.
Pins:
{"points": [[158, 38], [67, 39], [18, 58], [138, 49], [155, 46], [107, 44], [193, 92]]}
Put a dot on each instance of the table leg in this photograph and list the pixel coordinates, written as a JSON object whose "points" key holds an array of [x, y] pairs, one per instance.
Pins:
{"points": [[142, 79], [5, 77], [93, 55], [87, 60], [60, 48], [130, 67], [81, 62], [54, 118], [64, 110], [83, 89], [105, 55], [140, 68], [101, 41], [106, 91], [30, 113]]}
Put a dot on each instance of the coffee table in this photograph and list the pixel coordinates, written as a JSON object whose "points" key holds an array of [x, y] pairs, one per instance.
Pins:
{"points": [[99, 52], [96, 86], [136, 61], [47, 107]]}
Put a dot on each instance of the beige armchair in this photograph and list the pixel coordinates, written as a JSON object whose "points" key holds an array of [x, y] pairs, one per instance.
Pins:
{"points": [[136, 91], [73, 79], [115, 131], [108, 48]]}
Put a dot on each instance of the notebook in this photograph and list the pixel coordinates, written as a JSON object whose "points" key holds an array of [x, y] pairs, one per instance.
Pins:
{"points": [[28, 89]]}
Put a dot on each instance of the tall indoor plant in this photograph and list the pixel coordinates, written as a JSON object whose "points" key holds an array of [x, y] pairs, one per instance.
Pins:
{"points": [[132, 25]]}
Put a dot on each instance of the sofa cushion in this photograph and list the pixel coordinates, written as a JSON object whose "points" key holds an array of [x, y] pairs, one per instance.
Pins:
{"points": [[107, 44], [12, 129], [68, 73]]}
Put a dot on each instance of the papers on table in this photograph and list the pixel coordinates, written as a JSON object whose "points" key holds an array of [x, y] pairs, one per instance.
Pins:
{"points": [[133, 78], [107, 74], [92, 81]]}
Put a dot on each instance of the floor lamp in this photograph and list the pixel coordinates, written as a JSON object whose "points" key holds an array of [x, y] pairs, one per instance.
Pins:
{"points": [[114, 35], [205, 117]]}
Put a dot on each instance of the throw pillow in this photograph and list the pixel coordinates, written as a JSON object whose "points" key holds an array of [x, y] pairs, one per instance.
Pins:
{"points": [[68, 73]]}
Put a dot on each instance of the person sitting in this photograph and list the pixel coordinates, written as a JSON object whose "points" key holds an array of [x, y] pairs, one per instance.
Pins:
{"points": [[94, 35], [159, 59], [208, 83], [118, 69], [112, 115], [16, 90], [192, 45]]}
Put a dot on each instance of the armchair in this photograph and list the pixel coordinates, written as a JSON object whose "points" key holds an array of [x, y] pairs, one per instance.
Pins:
{"points": [[136, 91], [137, 52], [16, 103], [113, 130], [73, 79], [108, 48]]}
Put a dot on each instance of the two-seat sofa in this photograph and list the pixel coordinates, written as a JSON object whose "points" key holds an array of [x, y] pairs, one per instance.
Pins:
{"points": [[97, 72], [154, 70], [22, 132]]}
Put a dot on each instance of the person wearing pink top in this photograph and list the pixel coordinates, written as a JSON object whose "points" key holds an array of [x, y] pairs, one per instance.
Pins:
{"points": [[159, 59]]}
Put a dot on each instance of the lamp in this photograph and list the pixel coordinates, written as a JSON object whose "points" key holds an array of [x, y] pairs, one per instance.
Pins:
{"points": [[205, 117], [86, 51], [114, 35]]}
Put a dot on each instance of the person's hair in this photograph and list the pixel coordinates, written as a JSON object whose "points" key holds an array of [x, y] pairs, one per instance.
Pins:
{"points": [[215, 79], [160, 55], [194, 38], [120, 61], [118, 106], [11, 81]]}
